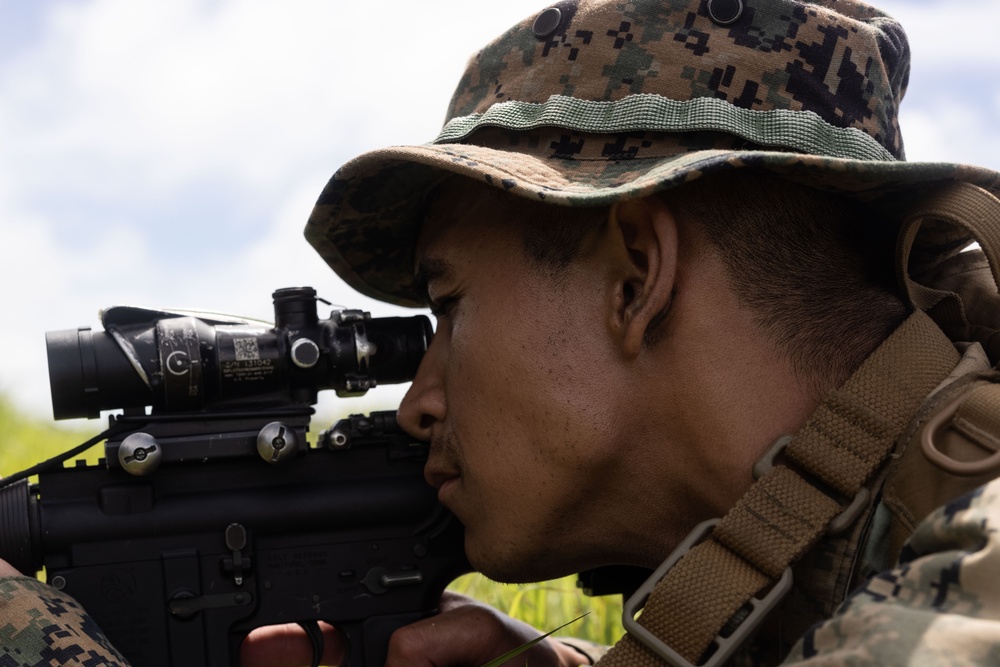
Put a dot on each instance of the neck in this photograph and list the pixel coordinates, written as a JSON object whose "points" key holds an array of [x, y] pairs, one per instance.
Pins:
{"points": [[728, 395]]}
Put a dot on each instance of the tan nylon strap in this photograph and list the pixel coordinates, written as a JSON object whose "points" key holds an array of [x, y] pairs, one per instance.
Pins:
{"points": [[968, 207], [842, 445], [851, 432], [783, 515]]}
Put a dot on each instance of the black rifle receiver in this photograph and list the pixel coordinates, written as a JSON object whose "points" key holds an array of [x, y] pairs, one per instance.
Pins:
{"points": [[211, 515]]}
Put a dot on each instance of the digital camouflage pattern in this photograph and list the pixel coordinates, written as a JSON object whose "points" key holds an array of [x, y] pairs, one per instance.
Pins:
{"points": [[939, 606], [41, 627], [622, 99]]}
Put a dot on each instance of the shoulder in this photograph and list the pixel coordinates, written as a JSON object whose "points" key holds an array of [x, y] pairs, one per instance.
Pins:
{"points": [[941, 602], [43, 626]]}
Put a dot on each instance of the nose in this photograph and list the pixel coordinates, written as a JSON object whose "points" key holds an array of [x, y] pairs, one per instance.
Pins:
{"points": [[424, 404]]}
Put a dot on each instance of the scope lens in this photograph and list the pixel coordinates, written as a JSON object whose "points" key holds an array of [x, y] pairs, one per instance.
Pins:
{"points": [[88, 373]]}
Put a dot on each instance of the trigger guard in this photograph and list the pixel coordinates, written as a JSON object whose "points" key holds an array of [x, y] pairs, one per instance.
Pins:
{"points": [[315, 638]]}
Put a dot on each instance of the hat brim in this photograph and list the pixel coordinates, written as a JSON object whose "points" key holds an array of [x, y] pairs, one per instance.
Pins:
{"points": [[367, 220]]}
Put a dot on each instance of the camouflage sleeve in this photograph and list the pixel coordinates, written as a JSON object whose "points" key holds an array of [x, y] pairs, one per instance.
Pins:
{"points": [[940, 606], [42, 627]]}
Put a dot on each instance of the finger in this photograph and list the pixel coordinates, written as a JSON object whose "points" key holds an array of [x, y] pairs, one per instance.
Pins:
{"points": [[288, 646], [469, 633], [451, 601], [7, 570]]}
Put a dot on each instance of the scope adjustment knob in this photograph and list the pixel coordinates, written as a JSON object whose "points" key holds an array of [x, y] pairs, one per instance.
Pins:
{"points": [[305, 353], [140, 454], [277, 442]]}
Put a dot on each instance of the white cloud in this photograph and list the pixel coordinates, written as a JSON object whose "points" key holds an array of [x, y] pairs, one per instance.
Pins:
{"points": [[45, 287], [946, 34], [952, 131], [953, 99], [167, 92], [251, 104]]}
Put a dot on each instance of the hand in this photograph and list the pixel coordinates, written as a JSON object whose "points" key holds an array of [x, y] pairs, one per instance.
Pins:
{"points": [[7, 570], [272, 646], [289, 646], [466, 633], [469, 633]]}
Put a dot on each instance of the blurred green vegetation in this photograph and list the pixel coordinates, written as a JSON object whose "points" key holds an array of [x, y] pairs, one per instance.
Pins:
{"points": [[28, 440], [550, 604]]}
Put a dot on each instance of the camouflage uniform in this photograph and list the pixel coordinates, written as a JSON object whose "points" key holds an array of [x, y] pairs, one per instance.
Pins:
{"points": [[39, 626], [939, 606], [595, 101]]}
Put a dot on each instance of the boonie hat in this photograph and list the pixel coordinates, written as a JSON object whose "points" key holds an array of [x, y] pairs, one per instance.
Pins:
{"points": [[592, 101]]}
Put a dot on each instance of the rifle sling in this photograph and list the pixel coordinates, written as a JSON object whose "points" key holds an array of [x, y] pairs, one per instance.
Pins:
{"points": [[971, 210], [825, 468]]}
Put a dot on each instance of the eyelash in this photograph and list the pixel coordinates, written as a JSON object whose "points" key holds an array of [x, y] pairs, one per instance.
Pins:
{"points": [[444, 306]]}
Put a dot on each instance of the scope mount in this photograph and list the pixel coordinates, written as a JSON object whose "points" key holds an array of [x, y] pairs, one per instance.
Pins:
{"points": [[176, 438]]}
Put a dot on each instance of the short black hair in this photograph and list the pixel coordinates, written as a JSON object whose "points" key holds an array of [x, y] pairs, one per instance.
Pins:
{"points": [[816, 268]]}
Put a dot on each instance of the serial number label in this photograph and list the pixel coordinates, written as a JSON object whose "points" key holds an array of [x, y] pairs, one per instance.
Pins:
{"points": [[250, 370]]}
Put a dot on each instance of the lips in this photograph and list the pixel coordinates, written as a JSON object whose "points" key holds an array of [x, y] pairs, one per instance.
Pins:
{"points": [[439, 476], [445, 491], [443, 461], [441, 472]]}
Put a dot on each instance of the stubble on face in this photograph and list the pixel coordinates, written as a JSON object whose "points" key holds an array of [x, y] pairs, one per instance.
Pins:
{"points": [[447, 451], [526, 444]]}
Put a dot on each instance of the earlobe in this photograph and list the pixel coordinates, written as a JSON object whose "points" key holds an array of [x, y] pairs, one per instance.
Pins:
{"points": [[645, 231]]}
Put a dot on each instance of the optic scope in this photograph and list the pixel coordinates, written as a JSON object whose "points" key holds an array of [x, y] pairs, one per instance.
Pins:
{"points": [[180, 362]]}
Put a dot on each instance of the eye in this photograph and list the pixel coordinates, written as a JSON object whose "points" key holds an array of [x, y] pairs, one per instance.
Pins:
{"points": [[444, 306]]}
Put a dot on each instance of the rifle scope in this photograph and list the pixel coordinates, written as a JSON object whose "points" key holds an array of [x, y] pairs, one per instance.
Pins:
{"points": [[180, 362]]}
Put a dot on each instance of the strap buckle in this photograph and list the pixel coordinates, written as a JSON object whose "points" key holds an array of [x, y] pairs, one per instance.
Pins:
{"points": [[940, 421], [725, 646]]}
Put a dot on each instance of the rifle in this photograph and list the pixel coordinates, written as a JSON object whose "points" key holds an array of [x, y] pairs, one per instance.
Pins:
{"points": [[211, 515]]}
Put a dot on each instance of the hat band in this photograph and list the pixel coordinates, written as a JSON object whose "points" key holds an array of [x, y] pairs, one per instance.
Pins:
{"points": [[802, 131]]}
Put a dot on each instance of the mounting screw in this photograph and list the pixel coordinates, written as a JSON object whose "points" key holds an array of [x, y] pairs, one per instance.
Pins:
{"points": [[276, 442], [140, 454]]}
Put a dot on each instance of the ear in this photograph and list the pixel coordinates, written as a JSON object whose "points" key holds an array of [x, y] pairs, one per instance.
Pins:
{"points": [[643, 243]]}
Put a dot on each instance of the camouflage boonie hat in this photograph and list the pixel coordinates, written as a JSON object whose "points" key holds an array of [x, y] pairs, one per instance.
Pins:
{"points": [[592, 101]]}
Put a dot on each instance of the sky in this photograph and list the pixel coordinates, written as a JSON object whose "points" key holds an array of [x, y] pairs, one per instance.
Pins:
{"points": [[166, 153]]}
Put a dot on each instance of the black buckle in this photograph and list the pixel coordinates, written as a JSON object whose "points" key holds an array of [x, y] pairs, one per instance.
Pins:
{"points": [[726, 646]]}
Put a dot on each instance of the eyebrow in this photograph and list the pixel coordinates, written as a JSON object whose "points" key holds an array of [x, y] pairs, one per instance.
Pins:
{"points": [[429, 270]]}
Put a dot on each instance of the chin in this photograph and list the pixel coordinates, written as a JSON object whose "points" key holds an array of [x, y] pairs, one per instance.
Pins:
{"points": [[509, 564]]}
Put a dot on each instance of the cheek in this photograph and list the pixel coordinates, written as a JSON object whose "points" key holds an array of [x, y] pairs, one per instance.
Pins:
{"points": [[534, 387], [496, 402], [486, 383]]}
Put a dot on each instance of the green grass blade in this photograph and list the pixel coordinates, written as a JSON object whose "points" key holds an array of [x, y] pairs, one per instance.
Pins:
{"points": [[509, 655]]}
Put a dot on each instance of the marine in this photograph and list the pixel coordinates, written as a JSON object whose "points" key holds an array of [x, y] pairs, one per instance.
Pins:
{"points": [[696, 314]]}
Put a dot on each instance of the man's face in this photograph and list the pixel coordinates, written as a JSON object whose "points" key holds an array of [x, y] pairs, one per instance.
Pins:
{"points": [[517, 393], [559, 442]]}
